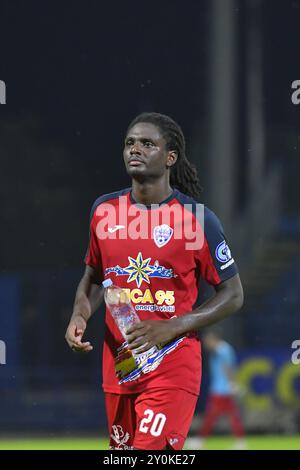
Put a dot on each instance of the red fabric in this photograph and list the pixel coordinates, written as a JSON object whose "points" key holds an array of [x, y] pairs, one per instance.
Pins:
{"points": [[164, 297], [219, 405], [152, 420]]}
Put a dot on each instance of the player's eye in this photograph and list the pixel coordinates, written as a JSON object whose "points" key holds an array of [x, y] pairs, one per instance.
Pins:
{"points": [[128, 142], [148, 143]]}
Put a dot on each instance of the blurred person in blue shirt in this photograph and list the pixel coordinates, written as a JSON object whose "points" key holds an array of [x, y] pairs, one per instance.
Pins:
{"points": [[222, 390]]}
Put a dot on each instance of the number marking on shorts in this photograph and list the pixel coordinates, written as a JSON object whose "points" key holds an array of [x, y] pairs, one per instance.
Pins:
{"points": [[158, 421]]}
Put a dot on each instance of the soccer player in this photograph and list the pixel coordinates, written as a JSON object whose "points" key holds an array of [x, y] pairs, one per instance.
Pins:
{"points": [[156, 241], [222, 389]]}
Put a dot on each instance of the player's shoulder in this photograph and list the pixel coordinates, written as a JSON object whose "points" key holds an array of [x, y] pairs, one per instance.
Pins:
{"points": [[105, 198], [186, 200], [211, 220], [190, 204]]}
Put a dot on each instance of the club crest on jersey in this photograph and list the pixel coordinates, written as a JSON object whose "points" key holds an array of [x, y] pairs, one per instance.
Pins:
{"points": [[162, 235], [119, 436], [140, 269], [223, 252]]}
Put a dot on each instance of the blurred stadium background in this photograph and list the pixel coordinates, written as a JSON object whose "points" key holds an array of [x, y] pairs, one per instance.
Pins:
{"points": [[76, 74]]}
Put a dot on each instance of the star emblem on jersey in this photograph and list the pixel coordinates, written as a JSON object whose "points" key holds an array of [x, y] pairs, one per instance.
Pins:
{"points": [[162, 235], [138, 269]]}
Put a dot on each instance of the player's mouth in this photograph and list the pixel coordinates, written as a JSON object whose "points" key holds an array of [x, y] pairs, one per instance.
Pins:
{"points": [[135, 162]]}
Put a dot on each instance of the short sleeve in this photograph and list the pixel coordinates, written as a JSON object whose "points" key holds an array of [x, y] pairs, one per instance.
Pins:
{"points": [[93, 254], [215, 258]]}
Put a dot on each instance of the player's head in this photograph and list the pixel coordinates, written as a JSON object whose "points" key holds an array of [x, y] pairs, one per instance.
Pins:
{"points": [[158, 141], [212, 338]]}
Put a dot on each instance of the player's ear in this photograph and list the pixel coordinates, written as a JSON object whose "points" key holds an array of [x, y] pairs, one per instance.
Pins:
{"points": [[172, 158]]}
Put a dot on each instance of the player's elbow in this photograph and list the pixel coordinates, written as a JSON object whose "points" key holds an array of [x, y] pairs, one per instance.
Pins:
{"points": [[233, 291], [237, 298]]}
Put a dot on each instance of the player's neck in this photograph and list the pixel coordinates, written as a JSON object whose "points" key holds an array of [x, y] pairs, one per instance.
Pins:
{"points": [[148, 193]]}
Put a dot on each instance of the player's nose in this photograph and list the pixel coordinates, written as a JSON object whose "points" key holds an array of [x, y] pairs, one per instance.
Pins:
{"points": [[135, 150]]}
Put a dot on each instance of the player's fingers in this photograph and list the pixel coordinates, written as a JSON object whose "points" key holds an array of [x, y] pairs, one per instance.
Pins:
{"points": [[135, 336], [136, 343], [130, 338], [85, 345], [145, 347], [71, 341], [78, 344], [134, 328], [82, 348]]}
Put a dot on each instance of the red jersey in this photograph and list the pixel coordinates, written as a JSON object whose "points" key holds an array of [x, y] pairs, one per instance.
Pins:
{"points": [[158, 254]]}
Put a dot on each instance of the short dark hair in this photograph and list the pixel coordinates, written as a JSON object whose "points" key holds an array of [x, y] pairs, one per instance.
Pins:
{"points": [[184, 174]]}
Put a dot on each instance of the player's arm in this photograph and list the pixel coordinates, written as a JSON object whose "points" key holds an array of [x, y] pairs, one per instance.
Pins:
{"points": [[228, 299], [230, 373], [87, 300]]}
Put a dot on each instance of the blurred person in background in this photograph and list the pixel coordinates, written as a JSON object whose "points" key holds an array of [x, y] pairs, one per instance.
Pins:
{"points": [[223, 390]]}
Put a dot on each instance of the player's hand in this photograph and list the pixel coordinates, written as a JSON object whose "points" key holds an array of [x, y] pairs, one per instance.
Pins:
{"points": [[146, 334], [74, 335]]}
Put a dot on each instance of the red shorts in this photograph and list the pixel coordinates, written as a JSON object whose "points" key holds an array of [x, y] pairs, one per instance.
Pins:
{"points": [[152, 420]]}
